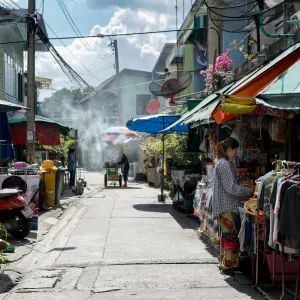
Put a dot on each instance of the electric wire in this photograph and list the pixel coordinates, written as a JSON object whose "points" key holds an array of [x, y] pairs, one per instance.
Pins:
{"points": [[74, 27], [236, 6], [7, 5], [70, 73], [113, 35], [71, 52], [16, 4], [41, 57]]}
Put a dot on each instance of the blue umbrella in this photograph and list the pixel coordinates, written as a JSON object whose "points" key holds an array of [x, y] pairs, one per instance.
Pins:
{"points": [[154, 124]]}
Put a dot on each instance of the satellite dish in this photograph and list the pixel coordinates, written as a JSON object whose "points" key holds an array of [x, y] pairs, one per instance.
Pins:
{"points": [[153, 107], [169, 84]]}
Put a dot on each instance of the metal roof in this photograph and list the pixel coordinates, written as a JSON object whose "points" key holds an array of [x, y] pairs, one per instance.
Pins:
{"points": [[103, 85], [160, 64], [188, 117]]}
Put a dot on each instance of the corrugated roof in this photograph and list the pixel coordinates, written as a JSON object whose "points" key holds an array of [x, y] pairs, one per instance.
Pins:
{"points": [[160, 64], [130, 72], [188, 117]]}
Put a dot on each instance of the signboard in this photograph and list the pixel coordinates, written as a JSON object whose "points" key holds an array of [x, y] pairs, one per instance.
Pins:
{"points": [[31, 195], [73, 134], [43, 83]]}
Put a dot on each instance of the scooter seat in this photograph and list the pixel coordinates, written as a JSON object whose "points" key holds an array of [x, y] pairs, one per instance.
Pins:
{"points": [[9, 192]]}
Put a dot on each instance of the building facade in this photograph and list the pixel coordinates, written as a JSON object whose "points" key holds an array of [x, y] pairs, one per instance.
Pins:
{"points": [[14, 28], [113, 103]]}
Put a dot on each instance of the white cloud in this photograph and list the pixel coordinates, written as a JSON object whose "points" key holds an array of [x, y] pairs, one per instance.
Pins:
{"points": [[132, 4], [135, 52]]}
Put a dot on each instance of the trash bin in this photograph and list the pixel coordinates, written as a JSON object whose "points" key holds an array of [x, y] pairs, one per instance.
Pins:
{"points": [[59, 181], [49, 177]]}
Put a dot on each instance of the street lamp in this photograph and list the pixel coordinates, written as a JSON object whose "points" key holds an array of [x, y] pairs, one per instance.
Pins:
{"points": [[219, 38]]}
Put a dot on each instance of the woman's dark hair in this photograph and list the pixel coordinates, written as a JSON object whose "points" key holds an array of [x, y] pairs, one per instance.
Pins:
{"points": [[224, 145], [71, 151]]}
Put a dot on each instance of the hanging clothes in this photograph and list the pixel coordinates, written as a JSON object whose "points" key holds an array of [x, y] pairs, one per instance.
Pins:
{"points": [[229, 242]]}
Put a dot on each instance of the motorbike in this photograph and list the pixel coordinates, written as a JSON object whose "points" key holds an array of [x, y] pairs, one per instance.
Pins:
{"points": [[15, 215]]}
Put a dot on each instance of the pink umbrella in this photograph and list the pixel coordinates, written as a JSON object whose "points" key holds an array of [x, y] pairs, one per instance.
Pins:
{"points": [[119, 130]]}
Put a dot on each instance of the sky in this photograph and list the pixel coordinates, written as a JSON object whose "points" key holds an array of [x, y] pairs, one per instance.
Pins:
{"points": [[93, 58]]}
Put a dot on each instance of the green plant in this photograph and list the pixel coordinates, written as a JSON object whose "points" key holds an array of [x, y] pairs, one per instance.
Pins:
{"points": [[247, 54], [62, 149], [3, 231], [175, 148]]}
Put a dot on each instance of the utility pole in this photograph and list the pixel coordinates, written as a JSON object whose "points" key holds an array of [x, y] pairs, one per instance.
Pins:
{"points": [[30, 149], [116, 57], [118, 79]]}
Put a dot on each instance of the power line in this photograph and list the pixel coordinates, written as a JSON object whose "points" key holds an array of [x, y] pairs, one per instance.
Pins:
{"points": [[69, 72], [73, 25], [72, 53], [14, 3], [113, 35], [7, 5]]}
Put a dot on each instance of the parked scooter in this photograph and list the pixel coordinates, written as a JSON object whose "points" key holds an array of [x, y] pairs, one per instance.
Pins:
{"points": [[15, 215]]}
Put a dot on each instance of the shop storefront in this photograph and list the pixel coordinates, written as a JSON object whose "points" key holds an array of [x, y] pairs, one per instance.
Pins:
{"points": [[261, 111]]}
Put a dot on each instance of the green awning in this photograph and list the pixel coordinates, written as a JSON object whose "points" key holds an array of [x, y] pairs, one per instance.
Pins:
{"points": [[204, 114], [193, 103], [287, 83], [280, 101], [21, 117], [259, 71]]}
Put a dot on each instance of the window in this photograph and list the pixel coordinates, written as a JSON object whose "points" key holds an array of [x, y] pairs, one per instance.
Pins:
{"points": [[19, 83], [141, 104], [9, 74]]}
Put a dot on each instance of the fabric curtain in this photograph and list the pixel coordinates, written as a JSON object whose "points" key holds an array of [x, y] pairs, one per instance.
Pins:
{"points": [[46, 134]]}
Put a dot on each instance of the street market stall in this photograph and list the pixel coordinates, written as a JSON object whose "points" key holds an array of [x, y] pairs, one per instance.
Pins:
{"points": [[154, 124], [261, 111], [47, 131]]}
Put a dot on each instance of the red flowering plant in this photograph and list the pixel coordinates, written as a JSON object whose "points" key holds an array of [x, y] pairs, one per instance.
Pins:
{"points": [[223, 62], [212, 74], [210, 79]]}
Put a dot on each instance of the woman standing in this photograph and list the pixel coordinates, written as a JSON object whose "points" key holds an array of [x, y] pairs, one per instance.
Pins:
{"points": [[226, 195]]}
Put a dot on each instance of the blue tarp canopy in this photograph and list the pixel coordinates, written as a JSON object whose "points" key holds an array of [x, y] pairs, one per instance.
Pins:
{"points": [[154, 124]]}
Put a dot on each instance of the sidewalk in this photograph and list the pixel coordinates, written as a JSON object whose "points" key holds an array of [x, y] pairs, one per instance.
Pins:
{"points": [[119, 243], [47, 219]]}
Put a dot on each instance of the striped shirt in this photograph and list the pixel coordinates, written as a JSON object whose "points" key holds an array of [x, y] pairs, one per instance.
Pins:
{"points": [[226, 190]]}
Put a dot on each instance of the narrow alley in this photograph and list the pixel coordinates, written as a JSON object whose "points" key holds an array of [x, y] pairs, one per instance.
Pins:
{"points": [[121, 244]]}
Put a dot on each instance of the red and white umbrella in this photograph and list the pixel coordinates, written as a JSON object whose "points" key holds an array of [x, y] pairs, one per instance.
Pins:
{"points": [[119, 130]]}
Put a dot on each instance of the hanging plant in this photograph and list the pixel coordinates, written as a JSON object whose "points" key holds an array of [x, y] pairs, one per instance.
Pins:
{"points": [[212, 76], [223, 62]]}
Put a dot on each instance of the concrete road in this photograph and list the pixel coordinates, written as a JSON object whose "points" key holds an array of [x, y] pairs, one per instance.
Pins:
{"points": [[119, 243]]}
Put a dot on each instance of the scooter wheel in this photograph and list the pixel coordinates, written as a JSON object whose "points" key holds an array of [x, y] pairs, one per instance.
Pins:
{"points": [[25, 225]]}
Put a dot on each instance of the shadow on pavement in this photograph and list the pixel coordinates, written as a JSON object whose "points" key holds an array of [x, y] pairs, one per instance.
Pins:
{"points": [[246, 288], [63, 249], [125, 188], [8, 281], [30, 239], [181, 219]]}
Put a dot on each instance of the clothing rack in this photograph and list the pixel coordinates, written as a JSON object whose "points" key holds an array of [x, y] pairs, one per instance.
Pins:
{"points": [[259, 216]]}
